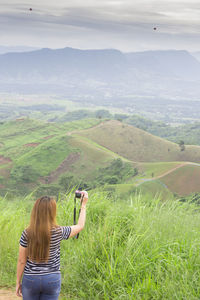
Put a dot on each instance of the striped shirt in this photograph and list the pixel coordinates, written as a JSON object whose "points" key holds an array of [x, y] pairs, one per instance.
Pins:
{"points": [[53, 264]]}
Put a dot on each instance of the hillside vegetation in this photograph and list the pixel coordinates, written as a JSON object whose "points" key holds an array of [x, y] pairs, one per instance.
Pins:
{"points": [[49, 158], [32, 149], [139, 249]]}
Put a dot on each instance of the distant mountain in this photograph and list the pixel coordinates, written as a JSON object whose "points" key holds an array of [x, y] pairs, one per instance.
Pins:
{"points": [[173, 64], [196, 55], [101, 73], [7, 49]]}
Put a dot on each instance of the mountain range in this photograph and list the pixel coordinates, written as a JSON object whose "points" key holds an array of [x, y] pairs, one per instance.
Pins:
{"points": [[108, 73]]}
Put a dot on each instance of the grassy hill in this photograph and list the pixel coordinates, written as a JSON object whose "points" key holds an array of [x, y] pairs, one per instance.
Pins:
{"points": [[92, 155], [184, 181], [154, 188], [138, 145]]}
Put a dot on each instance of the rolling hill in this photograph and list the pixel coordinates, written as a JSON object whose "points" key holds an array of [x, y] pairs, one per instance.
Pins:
{"points": [[138, 145], [184, 181]]}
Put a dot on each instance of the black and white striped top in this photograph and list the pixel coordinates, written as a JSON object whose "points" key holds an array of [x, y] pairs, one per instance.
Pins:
{"points": [[53, 265]]}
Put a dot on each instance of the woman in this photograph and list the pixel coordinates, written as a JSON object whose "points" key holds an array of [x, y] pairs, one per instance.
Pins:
{"points": [[39, 251]]}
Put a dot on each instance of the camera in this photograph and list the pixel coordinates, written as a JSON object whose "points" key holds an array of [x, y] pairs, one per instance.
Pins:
{"points": [[78, 193]]}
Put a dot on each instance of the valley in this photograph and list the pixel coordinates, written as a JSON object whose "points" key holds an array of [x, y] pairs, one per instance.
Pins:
{"points": [[50, 157]]}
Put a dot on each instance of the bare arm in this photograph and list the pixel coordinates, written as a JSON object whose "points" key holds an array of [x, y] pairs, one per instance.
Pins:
{"points": [[75, 229], [20, 268]]}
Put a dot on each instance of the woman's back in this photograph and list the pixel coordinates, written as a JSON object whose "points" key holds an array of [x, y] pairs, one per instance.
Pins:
{"points": [[58, 234]]}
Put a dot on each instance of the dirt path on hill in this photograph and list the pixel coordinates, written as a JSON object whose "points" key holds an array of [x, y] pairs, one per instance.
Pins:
{"points": [[172, 170], [164, 174]]}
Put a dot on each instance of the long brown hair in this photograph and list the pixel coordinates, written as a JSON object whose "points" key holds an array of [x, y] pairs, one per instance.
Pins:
{"points": [[43, 219]]}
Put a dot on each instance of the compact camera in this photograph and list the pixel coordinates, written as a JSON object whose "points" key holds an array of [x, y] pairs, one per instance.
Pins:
{"points": [[78, 193]]}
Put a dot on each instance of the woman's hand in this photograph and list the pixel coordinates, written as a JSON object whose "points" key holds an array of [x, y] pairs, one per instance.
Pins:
{"points": [[84, 197], [19, 289]]}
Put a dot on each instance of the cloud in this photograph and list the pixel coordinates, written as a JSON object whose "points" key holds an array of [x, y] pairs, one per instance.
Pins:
{"points": [[110, 20]]}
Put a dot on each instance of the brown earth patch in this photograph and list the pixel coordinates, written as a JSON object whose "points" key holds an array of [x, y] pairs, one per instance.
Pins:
{"points": [[20, 119], [4, 160], [5, 172], [48, 137], [31, 145], [2, 186], [62, 168]]}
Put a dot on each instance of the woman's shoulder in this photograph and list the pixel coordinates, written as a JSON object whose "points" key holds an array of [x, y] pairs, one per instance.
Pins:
{"points": [[25, 232], [64, 231], [56, 228]]}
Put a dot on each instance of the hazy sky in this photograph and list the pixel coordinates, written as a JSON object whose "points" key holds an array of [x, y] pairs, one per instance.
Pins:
{"points": [[122, 24]]}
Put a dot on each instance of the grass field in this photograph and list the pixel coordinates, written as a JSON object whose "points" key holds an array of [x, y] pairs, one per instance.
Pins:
{"points": [[136, 249]]}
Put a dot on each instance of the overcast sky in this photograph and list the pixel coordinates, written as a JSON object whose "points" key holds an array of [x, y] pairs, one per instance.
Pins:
{"points": [[127, 25]]}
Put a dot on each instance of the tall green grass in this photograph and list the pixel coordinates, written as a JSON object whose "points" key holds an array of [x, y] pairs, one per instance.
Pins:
{"points": [[139, 249]]}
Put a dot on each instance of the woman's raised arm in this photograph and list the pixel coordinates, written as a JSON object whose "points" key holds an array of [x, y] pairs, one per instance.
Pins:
{"points": [[75, 229]]}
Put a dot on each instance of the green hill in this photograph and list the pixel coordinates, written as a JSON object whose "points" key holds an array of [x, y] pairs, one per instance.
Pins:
{"points": [[184, 181], [138, 145]]}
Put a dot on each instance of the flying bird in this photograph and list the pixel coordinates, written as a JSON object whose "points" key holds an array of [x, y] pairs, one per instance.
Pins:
{"points": [[30, 9], [155, 28]]}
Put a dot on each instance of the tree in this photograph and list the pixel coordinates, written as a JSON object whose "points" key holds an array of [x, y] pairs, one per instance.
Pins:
{"points": [[111, 179], [24, 174], [102, 113], [181, 145]]}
